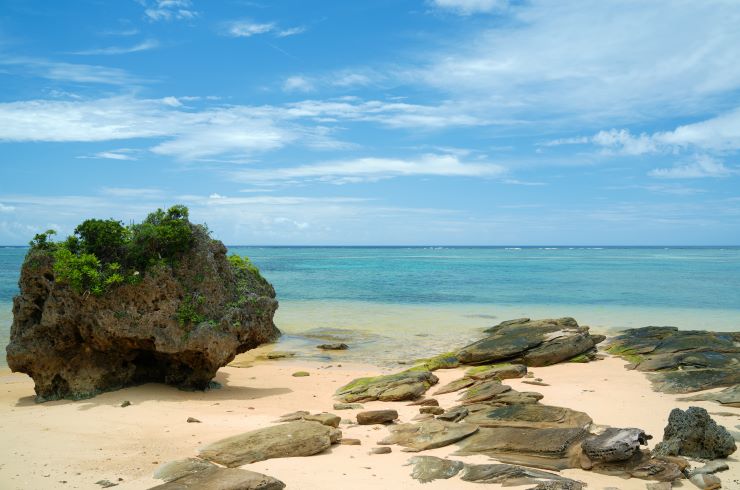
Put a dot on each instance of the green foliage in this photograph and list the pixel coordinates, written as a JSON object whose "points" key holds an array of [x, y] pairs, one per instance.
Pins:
{"points": [[104, 253], [187, 312], [243, 264]]}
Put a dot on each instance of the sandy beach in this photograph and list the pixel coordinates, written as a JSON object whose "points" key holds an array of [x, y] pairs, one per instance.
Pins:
{"points": [[73, 444]]}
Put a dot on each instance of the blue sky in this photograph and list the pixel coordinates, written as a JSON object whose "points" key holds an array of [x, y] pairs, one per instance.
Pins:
{"points": [[482, 122]]}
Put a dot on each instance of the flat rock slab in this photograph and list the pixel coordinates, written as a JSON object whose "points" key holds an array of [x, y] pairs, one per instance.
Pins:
{"points": [[455, 385], [430, 468], [508, 474], [498, 371], [542, 448], [182, 467], [532, 342], [348, 406], [483, 391], [729, 397], [406, 385], [376, 417], [532, 415], [223, 479], [428, 434], [690, 380], [299, 438]]}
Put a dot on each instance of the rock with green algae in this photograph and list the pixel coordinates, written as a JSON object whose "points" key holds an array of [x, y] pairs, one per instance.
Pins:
{"points": [[406, 385], [429, 468], [301, 374]]}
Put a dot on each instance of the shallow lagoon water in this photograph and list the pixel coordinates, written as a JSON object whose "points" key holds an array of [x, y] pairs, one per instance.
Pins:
{"points": [[424, 300]]}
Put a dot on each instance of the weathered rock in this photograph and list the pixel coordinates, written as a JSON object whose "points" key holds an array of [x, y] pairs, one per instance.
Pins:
{"points": [[324, 418], [376, 417], [710, 468], [223, 479], [454, 414], [290, 417], [536, 343], [125, 403], [381, 450], [406, 385], [455, 385], [483, 391], [432, 410], [299, 438], [640, 465], [300, 374], [350, 442], [561, 485], [422, 417], [729, 397], [615, 444], [498, 371], [508, 474], [348, 406], [182, 467], [693, 433], [426, 402], [428, 435], [192, 420], [335, 346], [531, 415], [706, 482], [681, 361], [664, 485], [553, 449], [513, 397], [430, 468], [76, 345]]}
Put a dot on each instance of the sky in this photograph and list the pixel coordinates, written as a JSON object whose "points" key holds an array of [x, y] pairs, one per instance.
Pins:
{"points": [[383, 122]]}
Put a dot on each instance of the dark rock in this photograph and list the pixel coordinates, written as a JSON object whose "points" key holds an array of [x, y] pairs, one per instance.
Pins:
{"points": [[106, 483], [430, 468], [299, 438], [292, 416], [694, 434], [729, 397], [690, 380], [535, 342], [76, 345], [376, 417], [483, 391], [640, 465], [432, 410], [552, 449], [531, 415], [125, 404], [455, 385], [348, 406], [223, 479], [425, 402], [508, 474], [301, 374], [336, 346], [406, 385], [614, 444], [381, 450], [454, 414], [192, 420], [498, 371], [428, 435]]}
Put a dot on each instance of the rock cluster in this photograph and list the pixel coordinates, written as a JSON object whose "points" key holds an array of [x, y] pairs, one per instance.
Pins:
{"points": [[76, 345], [681, 361]]}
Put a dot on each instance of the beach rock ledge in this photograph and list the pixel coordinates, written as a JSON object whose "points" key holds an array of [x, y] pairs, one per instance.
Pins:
{"points": [[174, 316]]}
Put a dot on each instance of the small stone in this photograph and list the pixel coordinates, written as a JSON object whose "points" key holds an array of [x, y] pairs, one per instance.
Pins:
{"points": [[350, 442], [193, 420], [325, 419], [535, 382], [432, 410], [348, 406], [664, 485], [106, 483], [376, 417], [337, 346], [710, 467], [125, 403], [300, 374], [380, 450], [425, 402]]}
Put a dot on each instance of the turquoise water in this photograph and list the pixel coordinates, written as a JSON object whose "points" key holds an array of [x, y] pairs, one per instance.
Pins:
{"points": [[450, 293]]}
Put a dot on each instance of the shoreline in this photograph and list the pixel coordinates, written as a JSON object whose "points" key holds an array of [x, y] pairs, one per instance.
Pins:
{"points": [[85, 441]]}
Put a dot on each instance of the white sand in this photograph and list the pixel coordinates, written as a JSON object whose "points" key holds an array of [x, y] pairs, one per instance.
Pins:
{"points": [[90, 440]]}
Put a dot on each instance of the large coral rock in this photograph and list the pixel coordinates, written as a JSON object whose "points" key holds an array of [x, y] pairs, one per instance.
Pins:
{"points": [[693, 433], [299, 438], [406, 385], [533, 342], [681, 361], [76, 345]]}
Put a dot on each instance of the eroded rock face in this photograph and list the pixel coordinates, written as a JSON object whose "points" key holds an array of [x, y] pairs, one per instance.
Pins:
{"points": [[299, 438], [531, 342], [681, 361], [77, 345], [694, 434], [615, 444]]}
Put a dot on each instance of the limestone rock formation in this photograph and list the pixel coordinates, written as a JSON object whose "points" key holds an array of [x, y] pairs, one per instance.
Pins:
{"points": [[694, 434], [681, 361], [299, 438], [175, 322], [406, 385], [530, 342]]}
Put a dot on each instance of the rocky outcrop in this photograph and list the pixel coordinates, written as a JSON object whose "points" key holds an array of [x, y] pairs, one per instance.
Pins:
{"points": [[729, 397], [299, 438], [694, 434], [177, 325], [531, 342], [681, 361], [406, 385]]}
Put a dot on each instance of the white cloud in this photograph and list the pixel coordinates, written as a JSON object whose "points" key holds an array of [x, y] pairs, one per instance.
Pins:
{"points": [[71, 72], [157, 10], [6, 209], [372, 169], [467, 7], [702, 166], [298, 83], [142, 46], [291, 31], [113, 155], [133, 192], [246, 28]]}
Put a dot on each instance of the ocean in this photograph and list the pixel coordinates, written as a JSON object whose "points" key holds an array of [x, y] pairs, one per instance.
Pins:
{"points": [[400, 302]]}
